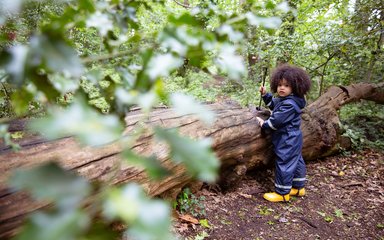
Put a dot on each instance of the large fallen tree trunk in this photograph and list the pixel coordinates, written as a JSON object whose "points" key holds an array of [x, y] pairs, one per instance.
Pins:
{"points": [[237, 142]]}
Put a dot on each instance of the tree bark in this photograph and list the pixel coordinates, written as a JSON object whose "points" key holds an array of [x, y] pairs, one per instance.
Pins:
{"points": [[237, 141]]}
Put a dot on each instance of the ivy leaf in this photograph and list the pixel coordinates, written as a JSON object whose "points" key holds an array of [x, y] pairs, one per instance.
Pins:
{"points": [[53, 183], [80, 120], [184, 104], [197, 156]]}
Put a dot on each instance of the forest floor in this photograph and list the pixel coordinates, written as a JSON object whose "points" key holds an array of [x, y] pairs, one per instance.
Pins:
{"points": [[345, 200]]}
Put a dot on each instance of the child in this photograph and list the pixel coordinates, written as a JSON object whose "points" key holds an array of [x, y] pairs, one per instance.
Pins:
{"points": [[291, 84]]}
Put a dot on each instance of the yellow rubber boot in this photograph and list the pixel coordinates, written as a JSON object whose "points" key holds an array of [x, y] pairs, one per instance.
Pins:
{"points": [[297, 192], [275, 197]]}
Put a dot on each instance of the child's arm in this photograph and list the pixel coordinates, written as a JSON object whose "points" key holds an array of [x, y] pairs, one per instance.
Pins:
{"points": [[268, 100], [284, 114]]}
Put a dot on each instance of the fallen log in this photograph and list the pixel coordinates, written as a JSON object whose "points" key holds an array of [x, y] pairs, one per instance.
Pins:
{"points": [[237, 142]]}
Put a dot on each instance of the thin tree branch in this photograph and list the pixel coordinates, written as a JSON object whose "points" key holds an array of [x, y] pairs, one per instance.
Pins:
{"points": [[181, 4]]}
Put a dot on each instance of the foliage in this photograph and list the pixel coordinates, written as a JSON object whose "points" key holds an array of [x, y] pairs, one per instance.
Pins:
{"points": [[188, 203], [84, 64], [363, 124]]}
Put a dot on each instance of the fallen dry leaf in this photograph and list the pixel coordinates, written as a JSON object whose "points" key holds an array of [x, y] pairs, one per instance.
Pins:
{"points": [[188, 218]]}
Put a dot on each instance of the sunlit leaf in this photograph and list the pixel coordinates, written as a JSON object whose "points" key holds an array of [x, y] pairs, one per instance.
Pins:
{"points": [[283, 6], [230, 62], [16, 65], [89, 126], [184, 104], [53, 183], [10, 7], [267, 22], [161, 65], [147, 100], [101, 22], [124, 203], [63, 84], [233, 35], [197, 156]]}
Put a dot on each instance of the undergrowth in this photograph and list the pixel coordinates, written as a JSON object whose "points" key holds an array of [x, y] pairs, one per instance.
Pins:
{"points": [[363, 123]]}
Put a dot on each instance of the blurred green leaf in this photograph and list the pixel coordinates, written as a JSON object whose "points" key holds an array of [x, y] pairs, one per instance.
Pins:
{"points": [[63, 84], [20, 100], [101, 22], [161, 65], [53, 183], [153, 167], [43, 84], [267, 22], [7, 137], [234, 36], [59, 226], [15, 63], [197, 156], [185, 18], [9, 8], [184, 104], [230, 62], [153, 222], [89, 126], [56, 54], [148, 219]]}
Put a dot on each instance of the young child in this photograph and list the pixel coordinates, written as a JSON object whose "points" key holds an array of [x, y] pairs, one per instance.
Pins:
{"points": [[291, 84]]}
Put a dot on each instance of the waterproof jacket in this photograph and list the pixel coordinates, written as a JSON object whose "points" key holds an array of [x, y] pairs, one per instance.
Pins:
{"points": [[287, 139]]}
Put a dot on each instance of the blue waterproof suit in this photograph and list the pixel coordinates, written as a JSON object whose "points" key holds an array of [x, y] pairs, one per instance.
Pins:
{"points": [[287, 140]]}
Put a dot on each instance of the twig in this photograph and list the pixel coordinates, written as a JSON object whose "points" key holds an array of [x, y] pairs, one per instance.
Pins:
{"points": [[181, 4], [308, 222]]}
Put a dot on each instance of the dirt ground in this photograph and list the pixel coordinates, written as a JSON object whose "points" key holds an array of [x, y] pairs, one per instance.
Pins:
{"points": [[345, 200]]}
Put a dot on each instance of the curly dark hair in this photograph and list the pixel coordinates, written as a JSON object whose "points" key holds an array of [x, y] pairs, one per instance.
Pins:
{"points": [[296, 77]]}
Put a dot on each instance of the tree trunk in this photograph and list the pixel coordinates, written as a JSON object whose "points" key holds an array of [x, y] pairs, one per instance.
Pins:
{"points": [[237, 141]]}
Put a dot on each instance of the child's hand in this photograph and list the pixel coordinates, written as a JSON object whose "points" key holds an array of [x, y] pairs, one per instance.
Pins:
{"points": [[261, 121], [263, 91]]}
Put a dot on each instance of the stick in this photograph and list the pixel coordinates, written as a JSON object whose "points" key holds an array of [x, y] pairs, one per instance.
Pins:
{"points": [[264, 76]]}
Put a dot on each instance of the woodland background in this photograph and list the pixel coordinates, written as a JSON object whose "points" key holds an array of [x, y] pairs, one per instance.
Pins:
{"points": [[78, 67]]}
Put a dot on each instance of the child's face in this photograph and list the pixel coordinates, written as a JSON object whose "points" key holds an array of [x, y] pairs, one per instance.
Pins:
{"points": [[284, 89]]}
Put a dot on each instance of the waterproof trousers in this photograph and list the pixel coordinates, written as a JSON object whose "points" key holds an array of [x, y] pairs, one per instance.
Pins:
{"points": [[290, 170]]}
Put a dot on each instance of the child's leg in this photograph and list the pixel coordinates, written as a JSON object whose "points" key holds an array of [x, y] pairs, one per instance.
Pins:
{"points": [[299, 174], [284, 175]]}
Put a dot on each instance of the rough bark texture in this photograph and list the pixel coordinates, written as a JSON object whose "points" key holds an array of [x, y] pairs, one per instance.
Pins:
{"points": [[237, 142]]}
